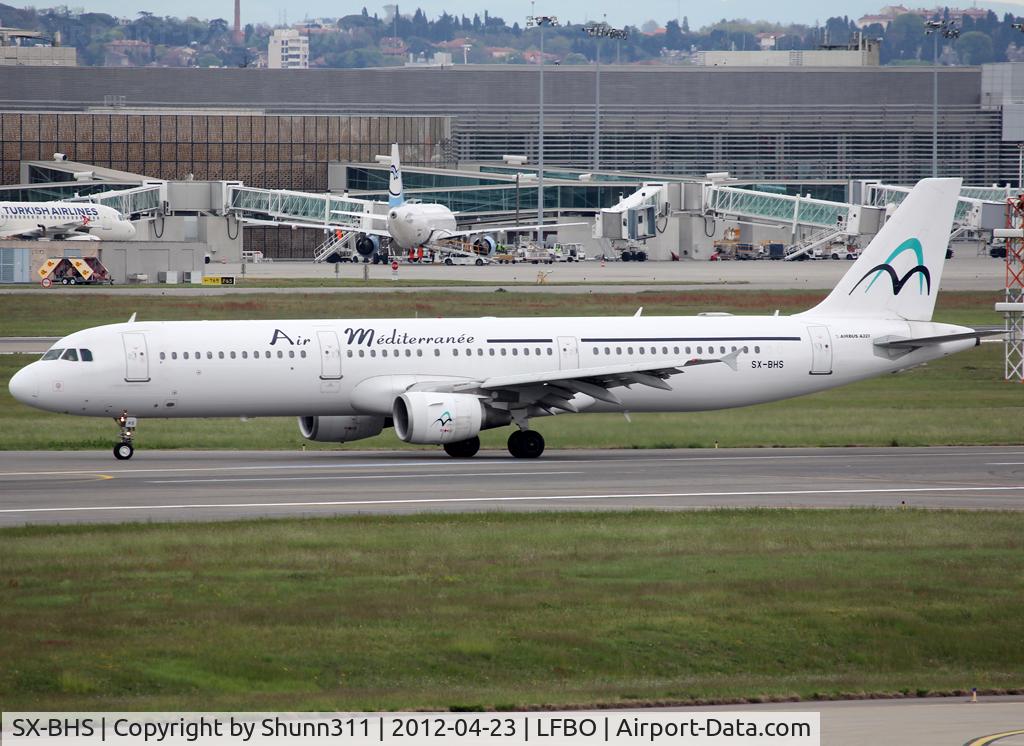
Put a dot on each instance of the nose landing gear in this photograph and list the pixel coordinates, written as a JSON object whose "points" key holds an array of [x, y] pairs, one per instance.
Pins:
{"points": [[125, 449]]}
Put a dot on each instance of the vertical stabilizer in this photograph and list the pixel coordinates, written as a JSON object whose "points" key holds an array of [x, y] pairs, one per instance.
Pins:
{"points": [[898, 274], [396, 195]]}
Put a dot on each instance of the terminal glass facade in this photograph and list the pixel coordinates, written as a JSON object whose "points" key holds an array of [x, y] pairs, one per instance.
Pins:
{"points": [[270, 151]]}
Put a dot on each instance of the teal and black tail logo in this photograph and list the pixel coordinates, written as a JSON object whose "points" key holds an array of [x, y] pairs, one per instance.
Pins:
{"points": [[924, 278]]}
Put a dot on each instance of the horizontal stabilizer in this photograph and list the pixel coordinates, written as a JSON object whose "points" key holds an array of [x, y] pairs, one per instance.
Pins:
{"points": [[915, 342]]}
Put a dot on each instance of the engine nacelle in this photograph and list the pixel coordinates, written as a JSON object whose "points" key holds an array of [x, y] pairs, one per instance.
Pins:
{"points": [[366, 244], [428, 417], [485, 245], [340, 429]]}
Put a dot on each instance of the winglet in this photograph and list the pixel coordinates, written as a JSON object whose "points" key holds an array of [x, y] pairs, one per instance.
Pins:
{"points": [[730, 359], [131, 319], [638, 313]]}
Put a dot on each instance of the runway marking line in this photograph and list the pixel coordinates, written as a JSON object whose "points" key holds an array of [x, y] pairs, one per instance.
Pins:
{"points": [[555, 461], [335, 477], [509, 498]]}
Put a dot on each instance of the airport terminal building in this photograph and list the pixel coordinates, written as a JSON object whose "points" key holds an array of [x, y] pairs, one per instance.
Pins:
{"points": [[798, 129], [279, 128]]}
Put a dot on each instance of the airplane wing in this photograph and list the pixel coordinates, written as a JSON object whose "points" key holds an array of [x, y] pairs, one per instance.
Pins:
{"points": [[554, 389], [441, 235], [49, 231]]}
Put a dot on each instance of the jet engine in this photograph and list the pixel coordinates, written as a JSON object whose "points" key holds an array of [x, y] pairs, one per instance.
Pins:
{"points": [[428, 417], [340, 429], [485, 245], [366, 245]]}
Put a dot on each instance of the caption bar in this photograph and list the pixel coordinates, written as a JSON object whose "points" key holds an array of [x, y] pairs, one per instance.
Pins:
{"points": [[722, 728]]}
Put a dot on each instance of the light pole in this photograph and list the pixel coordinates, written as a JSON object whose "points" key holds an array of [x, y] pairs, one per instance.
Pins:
{"points": [[949, 31], [540, 22], [600, 31]]}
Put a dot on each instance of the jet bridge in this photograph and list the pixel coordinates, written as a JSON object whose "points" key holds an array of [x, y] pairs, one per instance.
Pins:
{"points": [[979, 209]]}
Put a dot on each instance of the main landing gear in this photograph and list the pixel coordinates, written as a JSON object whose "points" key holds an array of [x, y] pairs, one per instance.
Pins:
{"points": [[526, 444], [125, 449]]}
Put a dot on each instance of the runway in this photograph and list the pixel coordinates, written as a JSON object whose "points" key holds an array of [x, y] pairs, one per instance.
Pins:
{"points": [[75, 487]]}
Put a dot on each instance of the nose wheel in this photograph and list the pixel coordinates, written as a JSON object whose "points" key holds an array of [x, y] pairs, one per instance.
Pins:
{"points": [[124, 450], [526, 444]]}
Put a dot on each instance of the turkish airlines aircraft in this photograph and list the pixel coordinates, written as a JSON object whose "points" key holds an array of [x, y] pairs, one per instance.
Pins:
{"points": [[444, 380], [70, 220]]}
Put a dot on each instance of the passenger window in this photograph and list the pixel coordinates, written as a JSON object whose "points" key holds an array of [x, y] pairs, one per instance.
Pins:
{"points": [[607, 350], [86, 355], [687, 350], [383, 353], [280, 354], [232, 354], [174, 356], [373, 353], [455, 353], [515, 352], [551, 351], [291, 353], [700, 350], [245, 355], [302, 353], [53, 354], [437, 352], [209, 356], [267, 354], [408, 352], [220, 355], [70, 354], [480, 351], [419, 353], [198, 355], [163, 355], [664, 350], [675, 350], [618, 350], [503, 352], [757, 348], [629, 350], [362, 353], [537, 351], [491, 350], [185, 355], [526, 350], [745, 349]]}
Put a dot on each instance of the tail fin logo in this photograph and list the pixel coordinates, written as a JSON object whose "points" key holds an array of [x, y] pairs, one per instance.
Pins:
{"points": [[924, 278]]}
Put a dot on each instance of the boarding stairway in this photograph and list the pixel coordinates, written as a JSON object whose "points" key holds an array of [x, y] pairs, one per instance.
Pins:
{"points": [[344, 246], [820, 237]]}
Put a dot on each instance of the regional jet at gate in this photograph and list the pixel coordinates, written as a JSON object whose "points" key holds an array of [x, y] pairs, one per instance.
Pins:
{"points": [[443, 381], [75, 221]]}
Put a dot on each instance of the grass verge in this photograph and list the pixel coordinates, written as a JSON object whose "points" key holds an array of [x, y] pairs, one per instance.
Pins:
{"points": [[507, 610]]}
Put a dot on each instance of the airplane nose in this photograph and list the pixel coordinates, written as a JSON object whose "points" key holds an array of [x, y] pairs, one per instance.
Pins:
{"points": [[24, 385]]}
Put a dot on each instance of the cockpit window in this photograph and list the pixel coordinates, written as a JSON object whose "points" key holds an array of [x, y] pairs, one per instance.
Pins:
{"points": [[53, 354], [86, 355], [70, 354]]}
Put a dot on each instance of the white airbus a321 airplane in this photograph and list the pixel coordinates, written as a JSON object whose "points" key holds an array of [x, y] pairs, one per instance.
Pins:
{"points": [[444, 380]]}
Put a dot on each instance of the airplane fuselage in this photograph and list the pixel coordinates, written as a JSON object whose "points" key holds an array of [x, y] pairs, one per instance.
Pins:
{"points": [[56, 219]]}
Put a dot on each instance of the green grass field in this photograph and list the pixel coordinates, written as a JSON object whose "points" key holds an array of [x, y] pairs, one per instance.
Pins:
{"points": [[510, 610], [958, 400]]}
